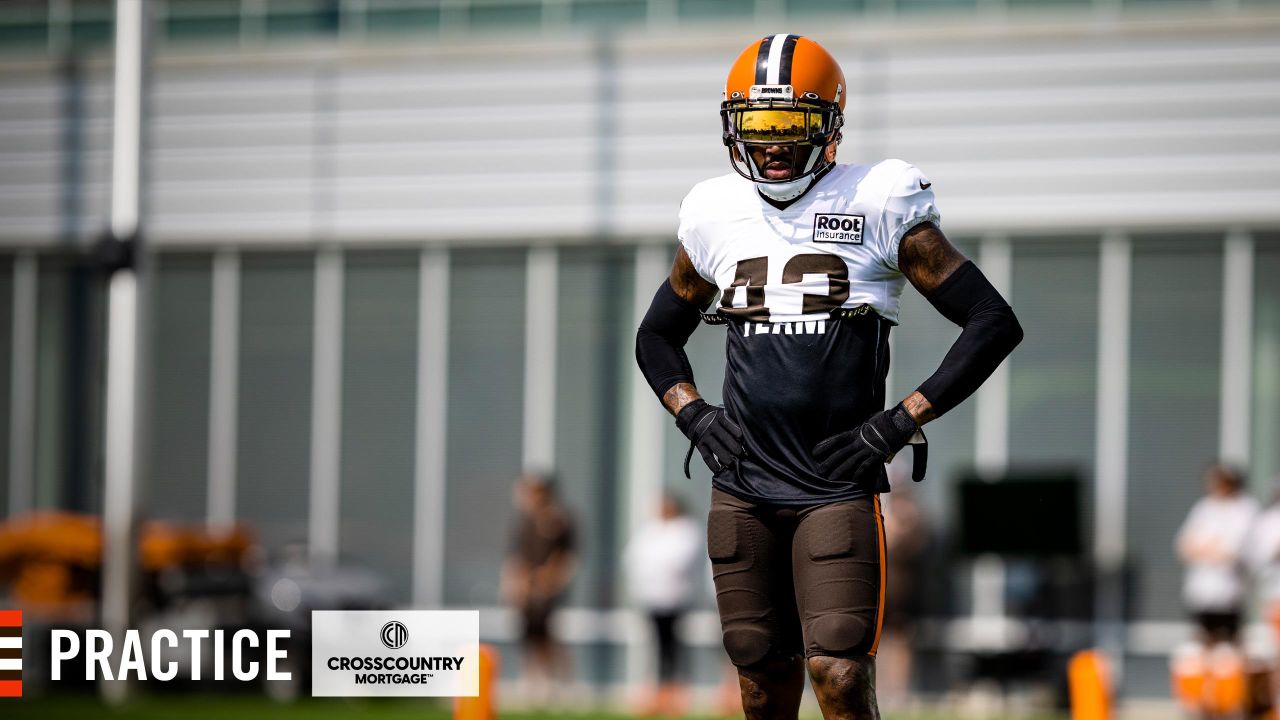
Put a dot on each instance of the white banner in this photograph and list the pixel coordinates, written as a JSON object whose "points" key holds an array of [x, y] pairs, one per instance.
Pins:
{"points": [[395, 653]]}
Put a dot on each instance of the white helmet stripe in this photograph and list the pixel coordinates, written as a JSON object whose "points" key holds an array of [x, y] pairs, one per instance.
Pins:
{"points": [[777, 44]]}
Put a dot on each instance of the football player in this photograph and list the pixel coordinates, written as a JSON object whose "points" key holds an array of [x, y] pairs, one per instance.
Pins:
{"points": [[810, 258]]}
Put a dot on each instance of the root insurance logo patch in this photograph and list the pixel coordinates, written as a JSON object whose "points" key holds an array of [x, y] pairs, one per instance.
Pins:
{"points": [[10, 653], [411, 653]]}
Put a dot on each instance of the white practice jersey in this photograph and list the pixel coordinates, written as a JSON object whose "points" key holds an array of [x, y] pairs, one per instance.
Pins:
{"points": [[800, 363], [836, 246]]}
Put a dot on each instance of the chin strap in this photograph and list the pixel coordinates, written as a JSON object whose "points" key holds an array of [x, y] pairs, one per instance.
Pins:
{"points": [[785, 191]]}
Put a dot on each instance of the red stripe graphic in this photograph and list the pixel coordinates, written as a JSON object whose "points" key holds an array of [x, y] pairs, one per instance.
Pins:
{"points": [[11, 621]]}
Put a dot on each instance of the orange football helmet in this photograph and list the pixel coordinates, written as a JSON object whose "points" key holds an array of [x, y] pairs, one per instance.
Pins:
{"points": [[783, 90]]}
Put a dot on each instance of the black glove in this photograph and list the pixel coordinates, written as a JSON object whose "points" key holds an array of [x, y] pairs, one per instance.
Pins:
{"points": [[709, 429], [857, 456]]}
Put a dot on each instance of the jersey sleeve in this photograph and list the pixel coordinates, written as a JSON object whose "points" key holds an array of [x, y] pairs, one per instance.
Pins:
{"points": [[908, 202], [694, 243]]}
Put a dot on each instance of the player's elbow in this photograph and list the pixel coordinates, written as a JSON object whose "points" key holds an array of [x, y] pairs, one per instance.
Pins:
{"points": [[1011, 330], [645, 336], [997, 326]]}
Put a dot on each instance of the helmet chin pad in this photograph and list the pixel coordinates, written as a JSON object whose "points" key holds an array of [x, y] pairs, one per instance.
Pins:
{"points": [[784, 191], [807, 160]]}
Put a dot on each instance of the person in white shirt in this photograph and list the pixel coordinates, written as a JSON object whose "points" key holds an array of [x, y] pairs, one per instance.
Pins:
{"points": [[662, 561], [1264, 558], [1212, 545]]}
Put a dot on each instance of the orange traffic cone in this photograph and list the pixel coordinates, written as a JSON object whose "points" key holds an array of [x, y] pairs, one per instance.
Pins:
{"points": [[1189, 675], [485, 705], [1228, 681], [1090, 686]]}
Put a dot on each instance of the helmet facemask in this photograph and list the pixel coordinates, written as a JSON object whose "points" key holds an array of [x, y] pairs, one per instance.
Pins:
{"points": [[802, 128]]}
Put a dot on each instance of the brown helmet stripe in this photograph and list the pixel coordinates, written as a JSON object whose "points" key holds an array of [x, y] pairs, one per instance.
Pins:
{"points": [[762, 60]]}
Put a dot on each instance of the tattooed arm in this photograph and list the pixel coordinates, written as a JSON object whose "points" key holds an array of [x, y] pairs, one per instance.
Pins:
{"points": [[958, 290], [693, 289], [672, 318]]}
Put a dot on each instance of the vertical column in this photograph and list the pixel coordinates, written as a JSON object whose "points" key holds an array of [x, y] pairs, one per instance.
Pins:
{"points": [[22, 385], [326, 408], [646, 423], [991, 436], [224, 385], [432, 415], [541, 300], [120, 416], [1237, 335], [1115, 283]]}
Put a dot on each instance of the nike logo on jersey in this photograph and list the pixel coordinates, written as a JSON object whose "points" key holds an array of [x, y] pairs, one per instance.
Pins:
{"points": [[925, 185]]}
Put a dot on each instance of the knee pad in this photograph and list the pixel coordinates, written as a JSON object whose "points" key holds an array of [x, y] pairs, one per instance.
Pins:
{"points": [[838, 634], [747, 646]]}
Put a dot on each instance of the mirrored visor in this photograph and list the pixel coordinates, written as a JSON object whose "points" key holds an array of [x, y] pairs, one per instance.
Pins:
{"points": [[776, 125]]}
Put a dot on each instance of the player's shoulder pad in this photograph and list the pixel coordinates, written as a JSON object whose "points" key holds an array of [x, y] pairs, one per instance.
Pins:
{"points": [[709, 194], [896, 178]]}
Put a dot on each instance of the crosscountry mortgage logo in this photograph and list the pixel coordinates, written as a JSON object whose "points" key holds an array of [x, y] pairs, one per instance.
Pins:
{"points": [[395, 653], [394, 635]]}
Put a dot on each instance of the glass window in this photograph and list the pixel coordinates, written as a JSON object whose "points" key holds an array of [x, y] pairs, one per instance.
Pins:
{"points": [[609, 12], [6, 359], [1265, 466], [274, 417], [51, 451], [24, 21], [23, 25], [1173, 404], [825, 7], [379, 405], [92, 22], [715, 9], [179, 442], [69, 317], [593, 349], [1039, 4], [402, 17], [484, 14], [301, 17], [202, 19], [485, 418], [1053, 373], [935, 5]]}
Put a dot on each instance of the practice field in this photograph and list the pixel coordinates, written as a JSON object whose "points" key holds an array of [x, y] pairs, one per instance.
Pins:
{"points": [[249, 708]]}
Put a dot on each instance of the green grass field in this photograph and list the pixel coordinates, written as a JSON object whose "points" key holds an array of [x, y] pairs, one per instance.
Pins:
{"points": [[254, 708]]}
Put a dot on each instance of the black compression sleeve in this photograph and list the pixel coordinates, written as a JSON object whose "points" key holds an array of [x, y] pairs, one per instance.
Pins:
{"points": [[660, 341], [991, 331]]}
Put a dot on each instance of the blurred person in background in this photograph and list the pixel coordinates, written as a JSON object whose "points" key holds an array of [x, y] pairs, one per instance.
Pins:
{"points": [[1264, 561], [1264, 557], [540, 564], [1212, 546], [810, 258], [907, 534], [662, 562]]}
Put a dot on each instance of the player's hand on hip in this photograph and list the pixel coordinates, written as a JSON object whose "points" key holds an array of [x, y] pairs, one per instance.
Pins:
{"points": [[857, 456], [709, 429]]}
